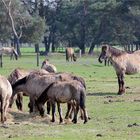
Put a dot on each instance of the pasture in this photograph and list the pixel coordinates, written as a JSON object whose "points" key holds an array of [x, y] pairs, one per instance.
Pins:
{"points": [[112, 116]]}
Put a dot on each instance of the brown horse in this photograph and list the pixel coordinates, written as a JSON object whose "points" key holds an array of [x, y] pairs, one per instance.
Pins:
{"points": [[17, 74], [63, 92], [48, 66], [34, 84], [70, 54], [123, 63], [9, 51], [5, 95]]}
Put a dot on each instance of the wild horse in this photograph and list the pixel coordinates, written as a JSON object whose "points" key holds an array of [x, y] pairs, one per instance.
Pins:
{"points": [[9, 51], [123, 63]]}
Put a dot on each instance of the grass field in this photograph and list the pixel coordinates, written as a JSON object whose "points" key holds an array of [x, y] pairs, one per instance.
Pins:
{"points": [[113, 117]]}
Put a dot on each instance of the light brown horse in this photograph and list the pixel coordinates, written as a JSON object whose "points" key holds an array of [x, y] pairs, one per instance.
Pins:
{"points": [[9, 51], [5, 95], [70, 54], [34, 84], [48, 66], [63, 92], [18, 74], [123, 63]]}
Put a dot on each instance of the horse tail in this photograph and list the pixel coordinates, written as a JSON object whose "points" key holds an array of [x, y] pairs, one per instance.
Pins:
{"points": [[82, 99], [16, 54], [43, 97], [67, 55]]}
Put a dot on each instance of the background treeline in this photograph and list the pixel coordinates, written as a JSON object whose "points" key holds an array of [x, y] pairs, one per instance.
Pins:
{"points": [[75, 23]]}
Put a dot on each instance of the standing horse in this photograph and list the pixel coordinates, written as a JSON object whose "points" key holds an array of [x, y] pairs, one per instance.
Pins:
{"points": [[70, 54], [63, 92], [15, 75], [123, 63], [5, 95], [9, 51], [34, 84], [18, 74]]}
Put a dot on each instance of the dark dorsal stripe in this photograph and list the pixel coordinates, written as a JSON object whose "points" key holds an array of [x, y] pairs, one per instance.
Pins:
{"points": [[43, 97], [19, 82], [116, 52]]}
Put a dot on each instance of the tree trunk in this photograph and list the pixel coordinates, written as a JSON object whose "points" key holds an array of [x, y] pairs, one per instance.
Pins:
{"points": [[17, 45], [91, 48]]}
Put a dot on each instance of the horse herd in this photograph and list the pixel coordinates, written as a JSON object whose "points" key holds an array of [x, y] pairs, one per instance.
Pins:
{"points": [[47, 86], [44, 87]]}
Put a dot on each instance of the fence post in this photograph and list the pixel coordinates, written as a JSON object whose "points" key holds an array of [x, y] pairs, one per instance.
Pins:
{"points": [[37, 53], [1, 61], [80, 53]]}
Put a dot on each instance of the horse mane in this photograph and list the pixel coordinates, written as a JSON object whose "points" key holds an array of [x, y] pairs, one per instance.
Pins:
{"points": [[43, 97], [19, 82], [115, 51]]}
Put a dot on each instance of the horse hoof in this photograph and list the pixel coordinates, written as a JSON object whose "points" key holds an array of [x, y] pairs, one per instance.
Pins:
{"points": [[52, 120], [85, 122], [74, 121], [120, 93]]}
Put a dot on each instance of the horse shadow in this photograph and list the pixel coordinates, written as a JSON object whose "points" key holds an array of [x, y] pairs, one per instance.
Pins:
{"points": [[102, 94]]}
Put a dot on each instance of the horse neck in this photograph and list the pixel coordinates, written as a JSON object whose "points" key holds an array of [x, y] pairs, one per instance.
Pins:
{"points": [[19, 83], [44, 96]]}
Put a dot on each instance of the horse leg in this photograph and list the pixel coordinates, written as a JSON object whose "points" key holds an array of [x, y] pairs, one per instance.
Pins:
{"points": [[12, 99], [69, 108], [75, 113], [5, 109], [53, 112], [85, 116], [19, 101], [2, 110], [48, 107], [60, 112], [30, 105], [121, 84]]}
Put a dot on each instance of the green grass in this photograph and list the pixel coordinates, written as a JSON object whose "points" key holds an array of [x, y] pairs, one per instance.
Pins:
{"points": [[110, 114]]}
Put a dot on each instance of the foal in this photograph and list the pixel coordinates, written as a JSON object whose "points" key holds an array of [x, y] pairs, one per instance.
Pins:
{"points": [[63, 92]]}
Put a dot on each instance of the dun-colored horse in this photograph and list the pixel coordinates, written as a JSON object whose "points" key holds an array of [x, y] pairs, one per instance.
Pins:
{"points": [[63, 92], [9, 51], [123, 63], [5, 95], [70, 54], [48, 66], [18, 74]]}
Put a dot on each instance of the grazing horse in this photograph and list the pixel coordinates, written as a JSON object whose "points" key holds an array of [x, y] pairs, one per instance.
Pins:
{"points": [[17, 74], [70, 54], [34, 84], [123, 63], [48, 66], [9, 51], [5, 95], [63, 92]]}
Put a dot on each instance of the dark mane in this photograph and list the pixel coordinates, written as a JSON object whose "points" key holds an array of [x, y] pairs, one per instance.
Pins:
{"points": [[115, 51], [19, 82], [43, 97]]}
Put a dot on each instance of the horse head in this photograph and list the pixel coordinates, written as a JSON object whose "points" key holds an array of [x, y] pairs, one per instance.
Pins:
{"points": [[104, 53], [40, 107]]}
